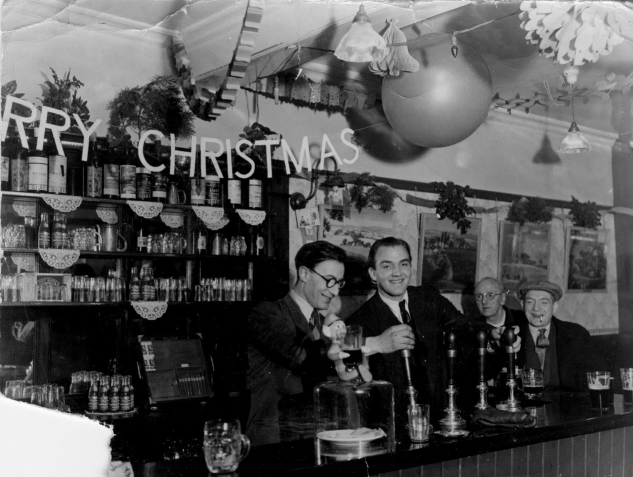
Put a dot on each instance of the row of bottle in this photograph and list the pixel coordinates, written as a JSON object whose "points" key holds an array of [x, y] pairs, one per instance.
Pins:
{"points": [[111, 394], [117, 173], [55, 236]]}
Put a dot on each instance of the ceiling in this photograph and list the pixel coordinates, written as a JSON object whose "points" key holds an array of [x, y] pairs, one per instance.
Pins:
{"points": [[303, 34]]}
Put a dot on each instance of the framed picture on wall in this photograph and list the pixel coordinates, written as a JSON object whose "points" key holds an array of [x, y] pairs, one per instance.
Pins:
{"points": [[586, 267], [447, 259], [524, 252], [356, 234]]}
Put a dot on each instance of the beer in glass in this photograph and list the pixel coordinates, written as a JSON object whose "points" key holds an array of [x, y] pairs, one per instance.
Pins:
{"points": [[599, 392]]}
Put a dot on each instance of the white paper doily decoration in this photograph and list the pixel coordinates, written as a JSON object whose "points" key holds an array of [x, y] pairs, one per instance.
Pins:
{"points": [[108, 215], [63, 203], [150, 310], [208, 215], [172, 219], [26, 261], [252, 217], [147, 210], [24, 210], [59, 258], [217, 225]]}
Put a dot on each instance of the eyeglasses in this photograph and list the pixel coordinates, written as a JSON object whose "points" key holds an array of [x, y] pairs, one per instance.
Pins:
{"points": [[488, 296], [330, 282]]}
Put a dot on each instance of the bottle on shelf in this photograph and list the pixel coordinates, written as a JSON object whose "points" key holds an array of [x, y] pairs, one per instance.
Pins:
{"points": [[38, 168], [128, 174], [29, 232], [44, 232], [57, 174], [128, 379], [159, 178], [141, 238], [213, 191], [94, 171], [234, 193], [143, 183], [111, 174], [114, 404], [93, 395], [8, 150], [135, 285], [200, 238], [59, 232], [20, 168], [148, 290], [197, 192], [124, 395], [103, 397], [255, 194]]}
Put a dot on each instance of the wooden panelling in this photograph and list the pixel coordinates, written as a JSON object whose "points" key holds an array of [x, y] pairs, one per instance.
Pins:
{"points": [[601, 454]]}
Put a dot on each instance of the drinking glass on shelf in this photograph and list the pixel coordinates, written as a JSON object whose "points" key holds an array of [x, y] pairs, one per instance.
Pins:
{"points": [[36, 395], [419, 422], [627, 385]]}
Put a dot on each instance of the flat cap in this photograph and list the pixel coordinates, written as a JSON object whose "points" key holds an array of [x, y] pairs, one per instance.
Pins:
{"points": [[542, 285]]}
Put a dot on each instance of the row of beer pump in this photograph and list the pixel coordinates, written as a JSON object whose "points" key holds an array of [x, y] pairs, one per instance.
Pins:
{"points": [[452, 424]]}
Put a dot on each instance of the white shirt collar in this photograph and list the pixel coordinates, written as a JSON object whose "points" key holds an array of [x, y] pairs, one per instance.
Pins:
{"points": [[394, 305], [503, 320], [304, 306]]}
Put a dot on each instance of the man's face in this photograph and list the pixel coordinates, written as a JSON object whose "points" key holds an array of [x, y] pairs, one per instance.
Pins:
{"points": [[316, 291], [393, 271], [490, 308], [539, 306]]}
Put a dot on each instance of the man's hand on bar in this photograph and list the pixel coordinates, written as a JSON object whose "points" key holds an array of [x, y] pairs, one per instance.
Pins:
{"points": [[393, 339]]}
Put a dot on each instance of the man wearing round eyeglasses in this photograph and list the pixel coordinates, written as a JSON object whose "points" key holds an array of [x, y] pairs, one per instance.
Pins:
{"points": [[287, 354]]}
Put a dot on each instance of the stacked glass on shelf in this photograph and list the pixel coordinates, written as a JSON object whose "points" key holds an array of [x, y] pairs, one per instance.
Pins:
{"points": [[50, 396], [11, 288], [19, 235], [148, 288], [224, 289], [98, 290], [110, 393]]}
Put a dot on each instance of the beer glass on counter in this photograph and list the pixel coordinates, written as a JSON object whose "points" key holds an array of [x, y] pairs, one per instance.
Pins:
{"points": [[224, 445], [532, 382], [599, 391], [627, 385]]}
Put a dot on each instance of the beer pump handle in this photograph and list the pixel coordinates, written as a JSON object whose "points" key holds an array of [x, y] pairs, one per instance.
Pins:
{"points": [[481, 348], [508, 341], [451, 354]]}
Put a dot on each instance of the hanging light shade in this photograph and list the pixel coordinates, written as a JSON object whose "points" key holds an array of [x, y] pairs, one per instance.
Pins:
{"points": [[574, 142], [361, 43]]}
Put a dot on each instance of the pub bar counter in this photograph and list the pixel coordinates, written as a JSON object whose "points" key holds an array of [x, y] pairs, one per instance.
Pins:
{"points": [[569, 439]]}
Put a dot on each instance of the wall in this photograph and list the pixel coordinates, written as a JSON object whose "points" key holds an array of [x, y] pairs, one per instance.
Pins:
{"points": [[500, 156]]}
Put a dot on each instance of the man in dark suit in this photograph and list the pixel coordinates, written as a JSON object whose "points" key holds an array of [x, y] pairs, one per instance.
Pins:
{"points": [[563, 350], [384, 317], [287, 354]]}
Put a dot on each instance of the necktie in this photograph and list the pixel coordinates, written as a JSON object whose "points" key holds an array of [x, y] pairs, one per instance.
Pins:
{"points": [[541, 343], [406, 318], [314, 319]]}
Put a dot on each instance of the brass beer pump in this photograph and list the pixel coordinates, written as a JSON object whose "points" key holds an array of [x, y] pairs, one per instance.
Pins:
{"points": [[452, 425], [482, 386], [512, 404]]}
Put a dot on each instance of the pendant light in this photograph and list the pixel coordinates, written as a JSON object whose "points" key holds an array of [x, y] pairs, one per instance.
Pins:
{"points": [[574, 142], [361, 43]]}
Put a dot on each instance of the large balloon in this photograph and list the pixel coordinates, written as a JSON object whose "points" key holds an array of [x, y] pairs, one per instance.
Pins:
{"points": [[445, 101]]}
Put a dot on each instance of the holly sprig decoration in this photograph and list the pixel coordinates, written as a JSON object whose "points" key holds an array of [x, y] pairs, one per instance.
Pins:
{"points": [[452, 204], [532, 210], [585, 214]]}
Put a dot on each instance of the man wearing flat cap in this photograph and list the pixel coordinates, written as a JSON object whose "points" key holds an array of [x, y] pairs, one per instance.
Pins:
{"points": [[562, 349]]}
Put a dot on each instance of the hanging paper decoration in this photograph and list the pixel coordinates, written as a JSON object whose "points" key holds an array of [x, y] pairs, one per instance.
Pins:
{"points": [[59, 258], [203, 103], [107, 214], [252, 217], [147, 210], [574, 32], [150, 310], [63, 203], [398, 59]]}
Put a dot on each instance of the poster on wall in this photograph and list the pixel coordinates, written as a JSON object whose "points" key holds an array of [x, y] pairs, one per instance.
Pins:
{"points": [[356, 234], [448, 259], [586, 267], [524, 252]]}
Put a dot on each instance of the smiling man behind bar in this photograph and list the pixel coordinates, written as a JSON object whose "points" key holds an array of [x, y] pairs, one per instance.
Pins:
{"points": [[287, 355]]}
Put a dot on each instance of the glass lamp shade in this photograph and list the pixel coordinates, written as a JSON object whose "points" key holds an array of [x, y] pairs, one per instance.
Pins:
{"points": [[574, 142], [361, 43]]}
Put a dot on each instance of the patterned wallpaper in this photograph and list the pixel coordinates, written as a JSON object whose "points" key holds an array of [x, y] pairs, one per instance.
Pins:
{"points": [[596, 311]]}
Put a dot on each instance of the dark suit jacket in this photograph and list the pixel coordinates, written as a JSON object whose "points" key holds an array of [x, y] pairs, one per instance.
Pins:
{"points": [[430, 313], [498, 358], [284, 360], [575, 352]]}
